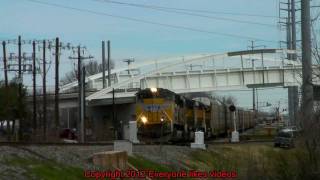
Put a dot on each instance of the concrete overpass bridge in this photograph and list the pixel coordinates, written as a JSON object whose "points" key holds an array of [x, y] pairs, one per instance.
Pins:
{"points": [[174, 73], [189, 74], [200, 73]]}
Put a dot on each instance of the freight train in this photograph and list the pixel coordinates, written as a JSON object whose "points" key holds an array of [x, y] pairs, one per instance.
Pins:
{"points": [[163, 114]]}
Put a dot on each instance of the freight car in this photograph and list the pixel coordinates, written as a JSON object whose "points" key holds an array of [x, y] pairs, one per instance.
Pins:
{"points": [[164, 115]]}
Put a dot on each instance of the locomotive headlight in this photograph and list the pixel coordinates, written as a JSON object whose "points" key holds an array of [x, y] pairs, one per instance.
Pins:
{"points": [[144, 119], [153, 90]]}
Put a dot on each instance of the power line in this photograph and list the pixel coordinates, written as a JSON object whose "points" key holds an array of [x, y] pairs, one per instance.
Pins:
{"points": [[170, 10], [151, 22], [192, 10]]}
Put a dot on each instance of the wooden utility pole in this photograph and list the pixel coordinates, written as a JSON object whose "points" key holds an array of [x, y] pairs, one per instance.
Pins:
{"points": [[5, 63], [21, 124], [83, 101], [307, 86], [19, 59], [34, 71], [253, 89], [80, 95], [56, 101], [294, 102], [44, 92], [289, 29], [81, 98], [293, 29], [5, 77], [115, 125], [109, 68], [103, 65]]}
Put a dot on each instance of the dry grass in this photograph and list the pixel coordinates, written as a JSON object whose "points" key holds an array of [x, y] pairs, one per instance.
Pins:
{"points": [[256, 161]]}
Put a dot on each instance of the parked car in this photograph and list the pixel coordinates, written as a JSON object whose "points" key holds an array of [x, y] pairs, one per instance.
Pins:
{"points": [[295, 130], [284, 138]]}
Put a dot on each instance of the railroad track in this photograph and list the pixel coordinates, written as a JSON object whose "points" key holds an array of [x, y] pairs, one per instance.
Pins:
{"points": [[206, 142], [241, 142], [111, 143], [53, 144]]}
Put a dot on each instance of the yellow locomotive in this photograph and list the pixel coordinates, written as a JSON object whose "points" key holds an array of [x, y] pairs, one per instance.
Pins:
{"points": [[162, 114]]}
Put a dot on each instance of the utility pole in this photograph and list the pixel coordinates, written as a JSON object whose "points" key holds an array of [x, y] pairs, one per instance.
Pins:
{"points": [[80, 95], [5, 63], [254, 108], [81, 86], [289, 29], [103, 65], [5, 77], [293, 29], [293, 91], [115, 124], [22, 59], [19, 59], [253, 89], [56, 101], [34, 86], [290, 26], [83, 105], [307, 86], [44, 92], [109, 68], [128, 61], [21, 124]]}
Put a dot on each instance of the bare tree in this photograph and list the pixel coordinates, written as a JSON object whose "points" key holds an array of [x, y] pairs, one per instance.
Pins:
{"points": [[69, 77], [91, 68], [226, 99]]}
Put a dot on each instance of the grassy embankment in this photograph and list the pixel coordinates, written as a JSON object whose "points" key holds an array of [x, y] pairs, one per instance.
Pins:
{"points": [[30, 168], [250, 161]]}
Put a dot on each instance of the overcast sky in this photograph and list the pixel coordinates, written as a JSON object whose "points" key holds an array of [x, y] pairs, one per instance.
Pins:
{"points": [[142, 40]]}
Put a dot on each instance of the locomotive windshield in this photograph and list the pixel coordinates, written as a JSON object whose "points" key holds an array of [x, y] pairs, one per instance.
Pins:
{"points": [[160, 93]]}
